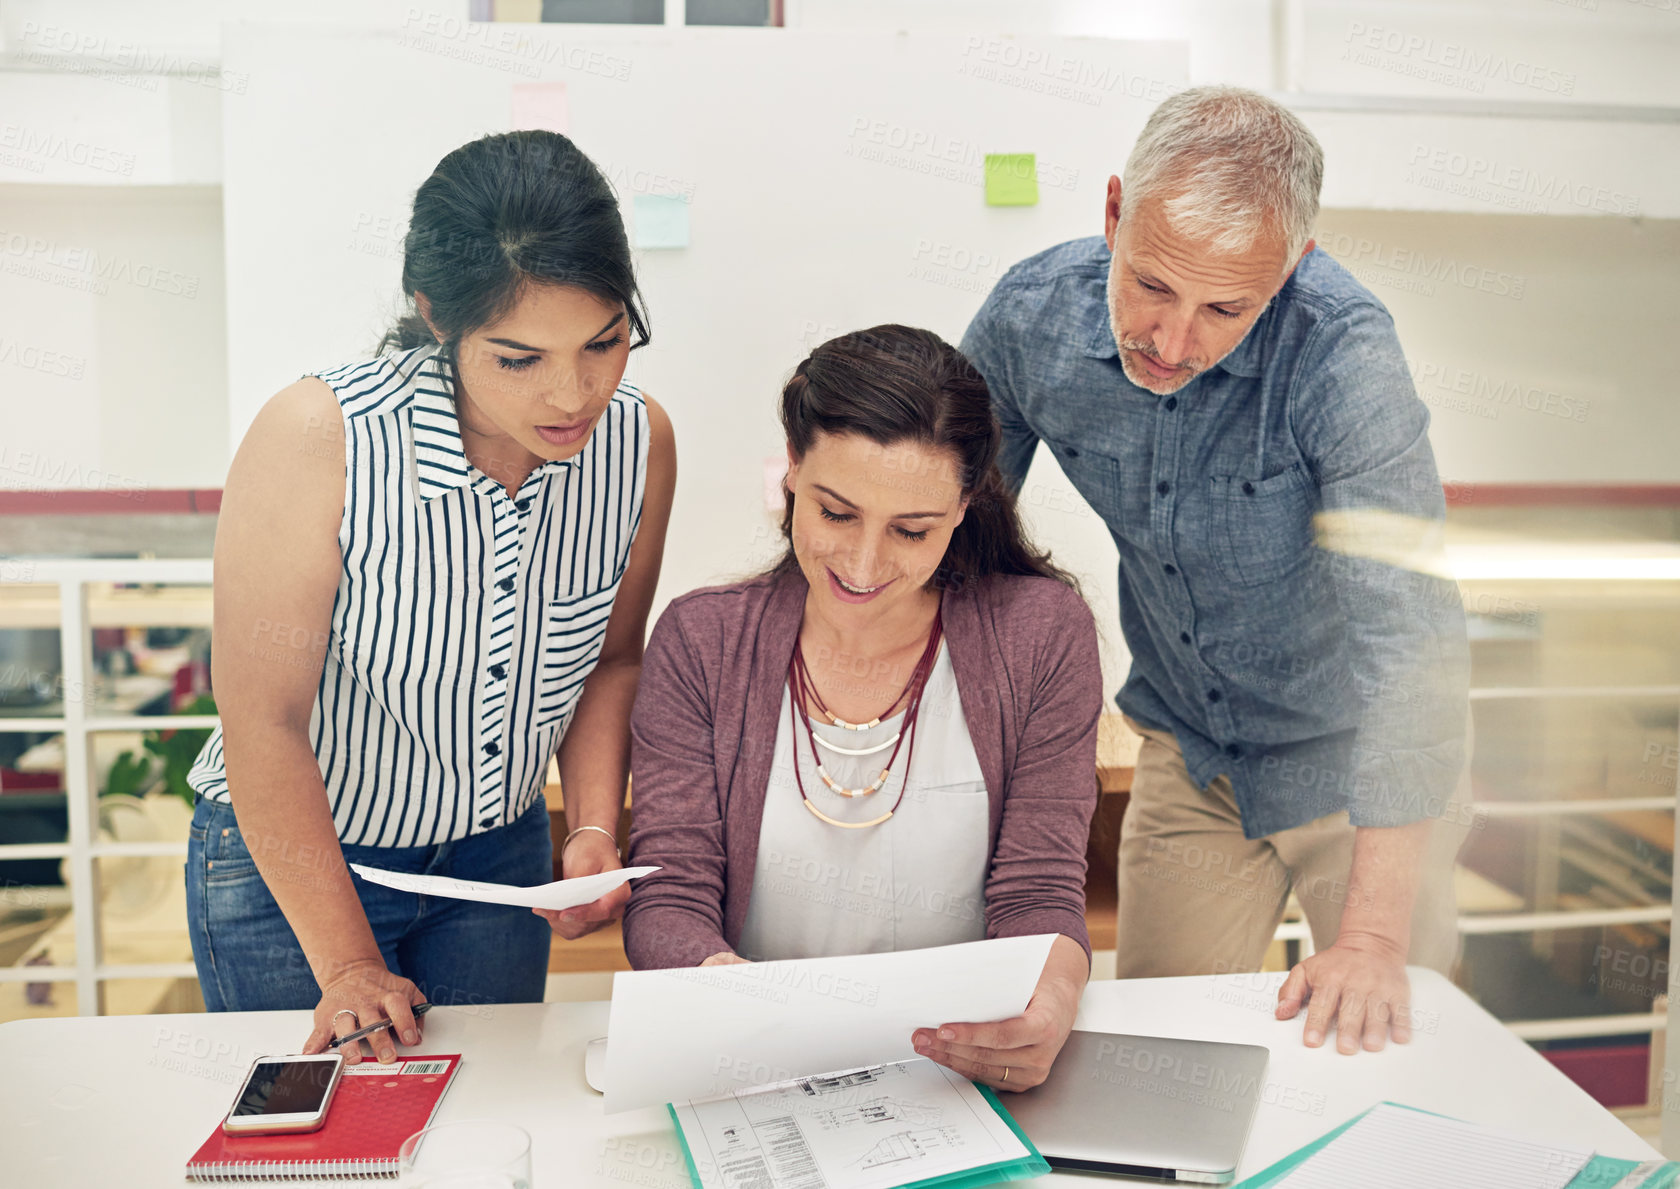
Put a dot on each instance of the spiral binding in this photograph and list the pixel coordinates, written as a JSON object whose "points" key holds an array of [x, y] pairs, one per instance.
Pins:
{"points": [[277, 1170]]}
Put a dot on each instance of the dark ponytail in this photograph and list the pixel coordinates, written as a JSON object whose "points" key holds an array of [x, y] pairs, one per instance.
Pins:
{"points": [[507, 211], [893, 384]]}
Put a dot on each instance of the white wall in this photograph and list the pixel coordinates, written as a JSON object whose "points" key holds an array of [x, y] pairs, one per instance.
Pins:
{"points": [[113, 362], [806, 220], [1598, 51], [1590, 51], [1541, 345], [172, 35], [797, 233], [1318, 54]]}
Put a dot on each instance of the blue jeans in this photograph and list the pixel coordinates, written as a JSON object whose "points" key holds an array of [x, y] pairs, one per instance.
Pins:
{"points": [[456, 951]]}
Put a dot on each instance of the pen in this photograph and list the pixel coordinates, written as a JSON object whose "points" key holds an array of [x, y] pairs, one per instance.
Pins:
{"points": [[372, 1028]]}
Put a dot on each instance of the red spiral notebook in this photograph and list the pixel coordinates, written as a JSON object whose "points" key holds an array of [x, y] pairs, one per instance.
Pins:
{"points": [[375, 1108]]}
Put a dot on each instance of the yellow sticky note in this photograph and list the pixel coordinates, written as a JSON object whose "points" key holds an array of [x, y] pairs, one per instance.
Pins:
{"points": [[1011, 179]]}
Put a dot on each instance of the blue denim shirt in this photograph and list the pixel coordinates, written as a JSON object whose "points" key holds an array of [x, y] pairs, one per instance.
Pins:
{"points": [[1269, 517]]}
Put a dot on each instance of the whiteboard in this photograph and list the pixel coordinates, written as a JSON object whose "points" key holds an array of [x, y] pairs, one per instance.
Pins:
{"points": [[834, 182]]}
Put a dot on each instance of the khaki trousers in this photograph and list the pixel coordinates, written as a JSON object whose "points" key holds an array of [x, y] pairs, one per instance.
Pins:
{"points": [[1196, 897]]}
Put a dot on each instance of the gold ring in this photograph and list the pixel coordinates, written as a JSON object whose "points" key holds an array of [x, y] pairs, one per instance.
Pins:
{"points": [[1005, 1077]]}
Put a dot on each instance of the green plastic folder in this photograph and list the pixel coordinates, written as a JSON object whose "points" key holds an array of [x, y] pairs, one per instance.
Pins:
{"points": [[1276, 1173], [1032, 1165], [1601, 1172]]}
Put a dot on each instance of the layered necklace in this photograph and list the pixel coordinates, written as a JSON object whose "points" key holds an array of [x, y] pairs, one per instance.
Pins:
{"points": [[801, 689]]}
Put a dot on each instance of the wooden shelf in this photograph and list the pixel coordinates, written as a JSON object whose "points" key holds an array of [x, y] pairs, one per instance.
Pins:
{"points": [[1117, 752], [600, 950], [36, 606]]}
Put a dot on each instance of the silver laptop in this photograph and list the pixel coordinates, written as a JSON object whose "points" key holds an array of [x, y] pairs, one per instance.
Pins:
{"points": [[1145, 1106]]}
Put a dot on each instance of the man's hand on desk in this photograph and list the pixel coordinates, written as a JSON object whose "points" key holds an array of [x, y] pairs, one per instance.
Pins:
{"points": [[588, 853], [1360, 985]]}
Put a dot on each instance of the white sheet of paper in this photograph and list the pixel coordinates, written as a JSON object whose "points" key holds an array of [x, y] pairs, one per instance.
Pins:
{"points": [[1394, 1147], [869, 1128], [565, 893], [698, 1032]]}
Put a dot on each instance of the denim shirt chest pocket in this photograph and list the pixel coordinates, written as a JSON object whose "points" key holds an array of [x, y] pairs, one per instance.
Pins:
{"points": [[1101, 480], [1262, 529], [1095, 475]]}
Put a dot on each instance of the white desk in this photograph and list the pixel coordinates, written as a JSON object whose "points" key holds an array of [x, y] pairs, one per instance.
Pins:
{"points": [[126, 1100]]}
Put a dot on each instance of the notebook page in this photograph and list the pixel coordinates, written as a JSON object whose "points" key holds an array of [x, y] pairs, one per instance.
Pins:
{"points": [[1396, 1148]]}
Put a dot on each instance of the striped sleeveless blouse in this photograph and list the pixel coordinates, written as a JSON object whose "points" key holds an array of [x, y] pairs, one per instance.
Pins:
{"points": [[466, 620]]}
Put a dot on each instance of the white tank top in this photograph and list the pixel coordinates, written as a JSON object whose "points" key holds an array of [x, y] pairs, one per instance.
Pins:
{"points": [[916, 880]]}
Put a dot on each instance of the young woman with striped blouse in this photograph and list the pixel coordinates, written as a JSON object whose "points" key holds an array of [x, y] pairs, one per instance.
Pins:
{"points": [[433, 569]]}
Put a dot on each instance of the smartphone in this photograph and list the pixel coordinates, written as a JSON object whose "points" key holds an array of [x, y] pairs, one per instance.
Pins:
{"points": [[285, 1094]]}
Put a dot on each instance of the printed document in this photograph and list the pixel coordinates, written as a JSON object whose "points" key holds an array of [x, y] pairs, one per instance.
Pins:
{"points": [[697, 1032], [869, 1128]]}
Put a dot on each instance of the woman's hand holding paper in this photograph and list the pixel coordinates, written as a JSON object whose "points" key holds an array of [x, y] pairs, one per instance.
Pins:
{"points": [[589, 853], [1016, 1054]]}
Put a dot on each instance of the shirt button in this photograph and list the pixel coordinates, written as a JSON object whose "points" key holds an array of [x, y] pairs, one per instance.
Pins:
{"points": [[1232, 750], [492, 748], [523, 505], [505, 585], [1248, 489], [1170, 568], [1214, 695], [1162, 487], [1172, 403], [1184, 637], [498, 671]]}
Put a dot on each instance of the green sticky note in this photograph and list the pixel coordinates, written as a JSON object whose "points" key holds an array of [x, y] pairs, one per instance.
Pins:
{"points": [[659, 221], [1011, 179]]}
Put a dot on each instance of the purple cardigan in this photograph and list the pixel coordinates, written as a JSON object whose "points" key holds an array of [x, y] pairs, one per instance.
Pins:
{"points": [[1024, 651]]}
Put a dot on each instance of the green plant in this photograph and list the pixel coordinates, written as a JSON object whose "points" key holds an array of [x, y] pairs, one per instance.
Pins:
{"points": [[179, 748], [128, 776]]}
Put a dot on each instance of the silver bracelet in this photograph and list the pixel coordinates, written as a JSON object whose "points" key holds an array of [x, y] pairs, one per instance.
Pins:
{"points": [[581, 829]]}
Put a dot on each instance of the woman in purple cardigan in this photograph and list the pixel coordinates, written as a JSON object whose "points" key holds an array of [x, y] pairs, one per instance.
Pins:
{"points": [[889, 740]]}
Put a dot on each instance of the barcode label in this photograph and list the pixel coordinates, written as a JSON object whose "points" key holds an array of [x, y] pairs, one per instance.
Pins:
{"points": [[431, 1067]]}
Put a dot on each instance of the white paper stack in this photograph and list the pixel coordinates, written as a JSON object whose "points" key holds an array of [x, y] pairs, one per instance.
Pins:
{"points": [[1395, 1147]]}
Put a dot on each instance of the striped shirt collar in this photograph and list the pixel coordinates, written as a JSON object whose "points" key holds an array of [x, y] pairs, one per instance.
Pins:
{"points": [[441, 462]]}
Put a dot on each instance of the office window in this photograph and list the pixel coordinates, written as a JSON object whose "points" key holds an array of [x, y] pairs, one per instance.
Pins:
{"points": [[605, 12], [652, 12]]}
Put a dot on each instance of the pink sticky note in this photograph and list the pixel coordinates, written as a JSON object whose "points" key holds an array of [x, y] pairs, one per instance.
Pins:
{"points": [[541, 105]]}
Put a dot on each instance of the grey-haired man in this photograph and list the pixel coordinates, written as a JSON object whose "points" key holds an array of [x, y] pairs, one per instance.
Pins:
{"points": [[1236, 407]]}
